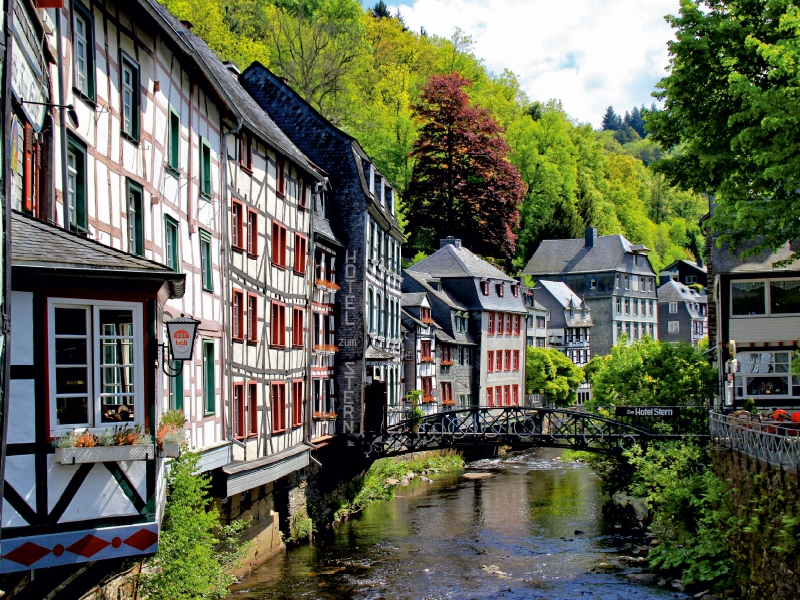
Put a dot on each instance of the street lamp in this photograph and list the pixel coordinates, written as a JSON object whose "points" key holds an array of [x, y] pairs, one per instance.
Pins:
{"points": [[181, 333]]}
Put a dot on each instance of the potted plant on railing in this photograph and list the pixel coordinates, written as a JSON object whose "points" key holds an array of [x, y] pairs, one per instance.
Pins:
{"points": [[169, 435], [416, 413], [122, 443]]}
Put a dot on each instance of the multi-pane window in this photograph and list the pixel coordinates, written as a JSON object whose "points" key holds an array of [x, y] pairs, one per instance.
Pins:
{"points": [[765, 374], [302, 198], [252, 317], [206, 263], [300, 248], [174, 142], [673, 307], [508, 324], [516, 360], [515, 395], [425, 349], [490, 361], [673, 327], [776, 297], [297, 403], [252, 407], [237, 315], [491, 323], [237, 226], [209, 378], [171, 250], [447, 391], [297, 327], [83, 50], [76, 184], [130, 97], [517, 324], [507, 360], [498, 361], [278, 244], [246, 151], [500, 289], [205, 169], [485, 287], [239, 415], [252, 233], [176, 387], [96, 364], [281, 178], [135, 222], [489, 400], [278, 325], [278, 407]]}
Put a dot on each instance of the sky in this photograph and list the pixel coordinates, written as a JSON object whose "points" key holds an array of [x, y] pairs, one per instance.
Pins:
{"points": [[587, 53]]}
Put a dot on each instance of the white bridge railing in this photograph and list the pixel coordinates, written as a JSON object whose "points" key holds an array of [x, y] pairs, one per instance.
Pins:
{"points": [[777, 446]]}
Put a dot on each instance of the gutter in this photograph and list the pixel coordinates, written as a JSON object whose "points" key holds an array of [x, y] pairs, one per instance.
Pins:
{"points": [[227, 389], [62, 117]]}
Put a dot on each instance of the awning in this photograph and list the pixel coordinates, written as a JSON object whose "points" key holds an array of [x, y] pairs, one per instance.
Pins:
{"points": [[245, 475]]}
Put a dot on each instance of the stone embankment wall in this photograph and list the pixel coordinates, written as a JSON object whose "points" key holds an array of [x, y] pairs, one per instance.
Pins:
{"points": [[765, 540]]}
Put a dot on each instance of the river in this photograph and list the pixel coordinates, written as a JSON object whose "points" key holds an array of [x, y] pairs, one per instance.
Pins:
{"points": [[535, 529]]}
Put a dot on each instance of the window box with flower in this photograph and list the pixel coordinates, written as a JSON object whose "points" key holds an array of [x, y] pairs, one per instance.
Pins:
{"points": [[326, 349], [428, 400], [448, 402], [328, 285], [447, 363], [122, 443], [428, 359]]}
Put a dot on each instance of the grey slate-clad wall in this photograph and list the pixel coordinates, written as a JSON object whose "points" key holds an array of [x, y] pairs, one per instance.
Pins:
{"points": [[353, 208], [690, 313]]}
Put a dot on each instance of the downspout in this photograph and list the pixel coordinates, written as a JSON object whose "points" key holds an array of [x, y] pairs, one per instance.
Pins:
{"points": [[5, 309], [310, 321], [226, 252], [62, 117]]}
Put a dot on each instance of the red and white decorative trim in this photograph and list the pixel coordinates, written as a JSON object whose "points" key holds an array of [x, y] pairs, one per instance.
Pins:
{"points": [[56, 549]]}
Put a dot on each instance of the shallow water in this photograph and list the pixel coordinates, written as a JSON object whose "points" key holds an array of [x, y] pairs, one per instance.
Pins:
{"points": [[510, 536]]}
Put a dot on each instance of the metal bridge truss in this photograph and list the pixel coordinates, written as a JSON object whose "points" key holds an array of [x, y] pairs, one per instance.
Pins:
{"points": [[575, 428]]}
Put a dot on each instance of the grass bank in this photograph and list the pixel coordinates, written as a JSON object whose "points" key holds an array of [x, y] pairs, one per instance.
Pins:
{"points": [[380, 481]]}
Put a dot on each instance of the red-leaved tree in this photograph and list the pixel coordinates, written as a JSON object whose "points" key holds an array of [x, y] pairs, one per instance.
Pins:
{"points": [[462, 184]]}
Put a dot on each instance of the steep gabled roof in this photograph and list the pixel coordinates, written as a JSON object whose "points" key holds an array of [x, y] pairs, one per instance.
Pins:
{"points": [[413, 299], [674, 291], [453, 261], [563, 294], [674, 266], [424, 280], [574, 256]]}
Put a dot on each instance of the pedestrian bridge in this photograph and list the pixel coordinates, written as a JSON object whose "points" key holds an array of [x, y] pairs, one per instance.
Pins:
{"points": [[597, 429]]}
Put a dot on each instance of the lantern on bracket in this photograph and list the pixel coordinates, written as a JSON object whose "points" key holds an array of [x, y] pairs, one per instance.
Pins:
{"points": [[181, 333]]}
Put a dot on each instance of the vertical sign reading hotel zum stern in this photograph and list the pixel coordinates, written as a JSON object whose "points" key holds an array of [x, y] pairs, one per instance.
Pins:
{"points": [[350, 332]]}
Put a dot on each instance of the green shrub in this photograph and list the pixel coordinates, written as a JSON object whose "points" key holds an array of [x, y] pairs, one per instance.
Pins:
{"points": [[193, 550]]}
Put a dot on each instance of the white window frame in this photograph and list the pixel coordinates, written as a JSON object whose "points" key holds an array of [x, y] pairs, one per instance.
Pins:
{"points": [[691, 279], [741, 376], [767, 298], [673, 326], [95, 306], [82, 54], [673, 307]]}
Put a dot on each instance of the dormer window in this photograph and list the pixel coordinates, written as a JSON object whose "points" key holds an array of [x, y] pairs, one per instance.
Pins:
{"points": [[425, 315], [636, 260], [500, 288], [515, 290], [593, 284], [485, 287]]}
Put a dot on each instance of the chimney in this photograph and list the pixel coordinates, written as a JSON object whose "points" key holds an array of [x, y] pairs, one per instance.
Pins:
{"points": [[187, 24], [699, 262], [232, 67], [450, 241], [591, 236]]}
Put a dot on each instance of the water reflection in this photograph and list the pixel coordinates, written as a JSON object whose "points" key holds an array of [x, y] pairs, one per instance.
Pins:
{"points": [[510, 536]]}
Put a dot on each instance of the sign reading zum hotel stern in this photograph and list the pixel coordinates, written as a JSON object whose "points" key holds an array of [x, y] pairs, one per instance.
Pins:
{"points": [[647, 411]]}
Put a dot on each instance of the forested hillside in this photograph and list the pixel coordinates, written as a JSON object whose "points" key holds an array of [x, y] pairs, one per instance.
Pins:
{"points": [[364, 69]]}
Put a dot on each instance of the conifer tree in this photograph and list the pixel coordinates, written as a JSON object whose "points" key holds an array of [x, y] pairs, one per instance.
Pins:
{"points": [[611, 120], [462, 183]]}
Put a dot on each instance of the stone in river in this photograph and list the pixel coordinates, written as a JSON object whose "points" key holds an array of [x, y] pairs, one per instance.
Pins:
{"points": [[477, 475], [643, 578]]}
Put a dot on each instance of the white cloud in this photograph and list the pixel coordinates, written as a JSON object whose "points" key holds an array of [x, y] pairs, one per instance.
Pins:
{"points": [[587, 53]]}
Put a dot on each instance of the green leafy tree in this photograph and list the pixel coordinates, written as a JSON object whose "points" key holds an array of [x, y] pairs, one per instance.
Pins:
{"points": [[549, 370], [194, 552], [651, 372], [462, 183], [738, 138]]}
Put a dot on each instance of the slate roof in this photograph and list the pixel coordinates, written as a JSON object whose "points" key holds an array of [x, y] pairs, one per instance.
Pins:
{"points": [[559, 298], [323, 227], [562, 293], [723, 261], [452, 261], [674, 266], [373, 353], [674, 291], [424, 280], [37, 244], [573, 256], [412, 299]]}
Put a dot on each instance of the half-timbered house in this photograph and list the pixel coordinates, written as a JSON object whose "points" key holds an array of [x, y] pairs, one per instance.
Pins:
{"points": [[361, 211], [84, 346]]}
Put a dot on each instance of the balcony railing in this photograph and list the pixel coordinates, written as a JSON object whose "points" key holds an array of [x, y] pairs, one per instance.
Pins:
{"points": [[776, 445]]}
